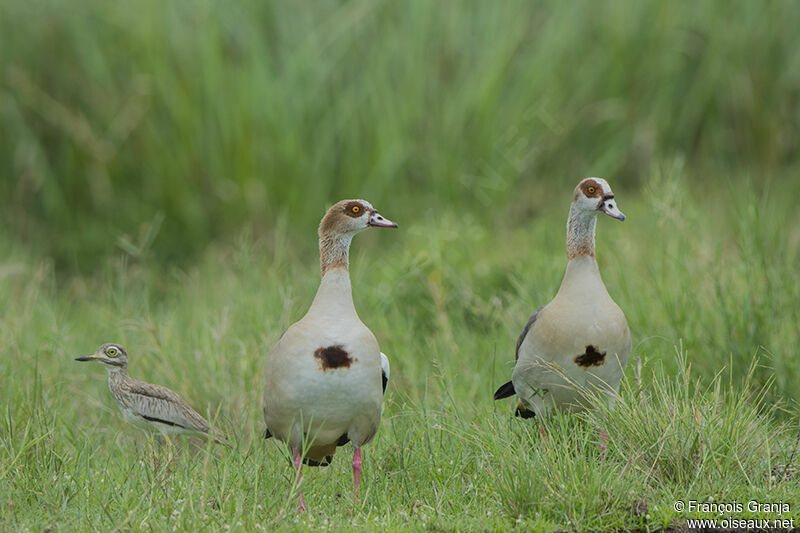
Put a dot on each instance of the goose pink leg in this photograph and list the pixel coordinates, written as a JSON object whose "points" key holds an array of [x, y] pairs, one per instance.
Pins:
{"points": [[298, 465], [357, 469]]}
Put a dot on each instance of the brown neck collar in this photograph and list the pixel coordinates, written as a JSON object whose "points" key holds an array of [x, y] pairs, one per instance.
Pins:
{"points": [[580, 232], [334, 251]]}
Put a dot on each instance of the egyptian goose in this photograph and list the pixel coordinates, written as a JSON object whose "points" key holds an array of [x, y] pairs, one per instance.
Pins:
{"points": [[326, 375], [580, 340], [146, 405]]}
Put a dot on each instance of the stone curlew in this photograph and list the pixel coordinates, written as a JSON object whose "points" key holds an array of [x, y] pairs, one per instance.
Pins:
{"points": [[151, 407]]}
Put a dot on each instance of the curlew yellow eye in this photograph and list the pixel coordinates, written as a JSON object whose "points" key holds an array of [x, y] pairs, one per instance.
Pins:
{"points": [[355, 209], [590, 190], [112, 352]]}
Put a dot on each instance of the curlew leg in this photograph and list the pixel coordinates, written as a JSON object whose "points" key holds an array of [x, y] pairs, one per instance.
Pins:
{"points": [[603, 446], [166, 445], [298, 465], [357, 469]]}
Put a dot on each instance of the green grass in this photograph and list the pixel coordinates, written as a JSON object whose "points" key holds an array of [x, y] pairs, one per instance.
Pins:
{"points": [[698, 418], [163, 167]]}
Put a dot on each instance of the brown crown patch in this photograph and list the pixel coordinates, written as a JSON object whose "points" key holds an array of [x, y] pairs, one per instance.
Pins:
{"points": [[333, 357], [354, 209], [592, 357], [589, 183]]}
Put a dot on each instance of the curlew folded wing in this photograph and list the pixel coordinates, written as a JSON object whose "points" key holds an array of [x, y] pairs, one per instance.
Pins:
{"points": [[161, 405]]}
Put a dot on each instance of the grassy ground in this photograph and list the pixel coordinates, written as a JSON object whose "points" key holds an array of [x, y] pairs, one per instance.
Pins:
{"points": [[708, 282]]}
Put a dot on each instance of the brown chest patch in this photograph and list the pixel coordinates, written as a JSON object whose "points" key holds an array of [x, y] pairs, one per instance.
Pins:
{"points": [[333, 357], [592, 357]]}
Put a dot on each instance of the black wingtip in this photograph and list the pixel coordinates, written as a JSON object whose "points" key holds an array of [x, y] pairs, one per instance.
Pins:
{"points": [[267, 434], [505, 390]]}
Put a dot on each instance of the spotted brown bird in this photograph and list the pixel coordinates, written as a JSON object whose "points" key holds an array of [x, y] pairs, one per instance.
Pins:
{"points": [[326, 376], [580, 340], [151, 407]]}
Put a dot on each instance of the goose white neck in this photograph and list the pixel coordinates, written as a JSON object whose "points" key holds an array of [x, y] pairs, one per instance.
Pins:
{"points": [[580, 232], [334, 296], [582, 281]]}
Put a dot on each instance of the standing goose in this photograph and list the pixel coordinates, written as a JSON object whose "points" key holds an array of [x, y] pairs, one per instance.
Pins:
{"points": [[326, 375], [580, 340], [146, 405]]}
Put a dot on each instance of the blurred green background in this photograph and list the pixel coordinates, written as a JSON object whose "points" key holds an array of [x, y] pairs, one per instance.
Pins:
{"points": [[154, 129]]}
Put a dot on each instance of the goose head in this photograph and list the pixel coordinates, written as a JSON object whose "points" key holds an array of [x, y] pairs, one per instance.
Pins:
{"points": [[594, 194], [348, 217]]}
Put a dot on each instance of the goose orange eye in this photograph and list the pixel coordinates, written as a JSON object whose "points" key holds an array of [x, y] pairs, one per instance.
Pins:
{"points": [[355, 209], [590, 190]]}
